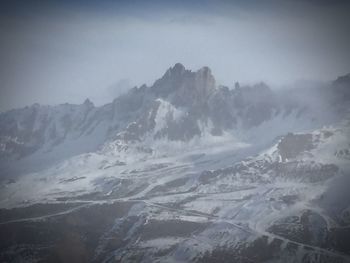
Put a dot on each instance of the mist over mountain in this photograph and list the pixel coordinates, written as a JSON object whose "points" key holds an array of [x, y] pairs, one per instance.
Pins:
{"points": [[179, 106], [188, 131], [65, 51], [183, 170]]}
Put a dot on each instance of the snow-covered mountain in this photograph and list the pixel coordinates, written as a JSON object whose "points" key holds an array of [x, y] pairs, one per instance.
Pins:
{"points": [[182, 171], [180, 106]]}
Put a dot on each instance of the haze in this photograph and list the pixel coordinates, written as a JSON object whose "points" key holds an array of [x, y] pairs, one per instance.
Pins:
{"points": [[63, 52]]}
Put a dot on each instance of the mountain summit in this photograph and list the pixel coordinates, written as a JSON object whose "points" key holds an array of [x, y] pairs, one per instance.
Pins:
{"points": [[182, 171], [180, 106], [184, 87]]}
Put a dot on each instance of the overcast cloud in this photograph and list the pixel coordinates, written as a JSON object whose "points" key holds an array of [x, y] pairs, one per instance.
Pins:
{"points": [[65, 52]]}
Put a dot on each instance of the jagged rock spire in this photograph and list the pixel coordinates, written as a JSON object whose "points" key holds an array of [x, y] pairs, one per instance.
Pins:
{"points": [[183, 86]]}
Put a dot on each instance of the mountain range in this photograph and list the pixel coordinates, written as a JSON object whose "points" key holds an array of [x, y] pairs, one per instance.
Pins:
{"points": [[184, 170], [179, 106]]}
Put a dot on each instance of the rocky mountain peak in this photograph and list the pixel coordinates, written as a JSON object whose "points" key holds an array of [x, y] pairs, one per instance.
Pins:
{"points": [[204, 70], [180, 105], [205, 81], [184, 87], [342, 80], [88, 103], [341, 90], [178, 68]]}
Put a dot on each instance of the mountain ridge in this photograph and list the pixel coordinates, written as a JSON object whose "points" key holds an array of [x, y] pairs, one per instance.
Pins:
{"points": [[243, 174], [179, 106]]}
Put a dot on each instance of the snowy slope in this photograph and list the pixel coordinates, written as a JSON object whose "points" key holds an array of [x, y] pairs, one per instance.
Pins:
{"points": [[180, 106], [181, 171]]}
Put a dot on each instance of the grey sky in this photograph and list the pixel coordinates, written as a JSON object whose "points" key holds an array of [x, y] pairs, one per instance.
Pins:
{"points": [[64, 52]]}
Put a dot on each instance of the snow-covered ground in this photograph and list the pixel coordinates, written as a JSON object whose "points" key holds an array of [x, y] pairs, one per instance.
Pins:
{"points": [[218, 181]]}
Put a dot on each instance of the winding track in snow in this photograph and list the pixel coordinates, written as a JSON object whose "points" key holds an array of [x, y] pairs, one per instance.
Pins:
{"points": [[315, 249], [39, 218]]}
